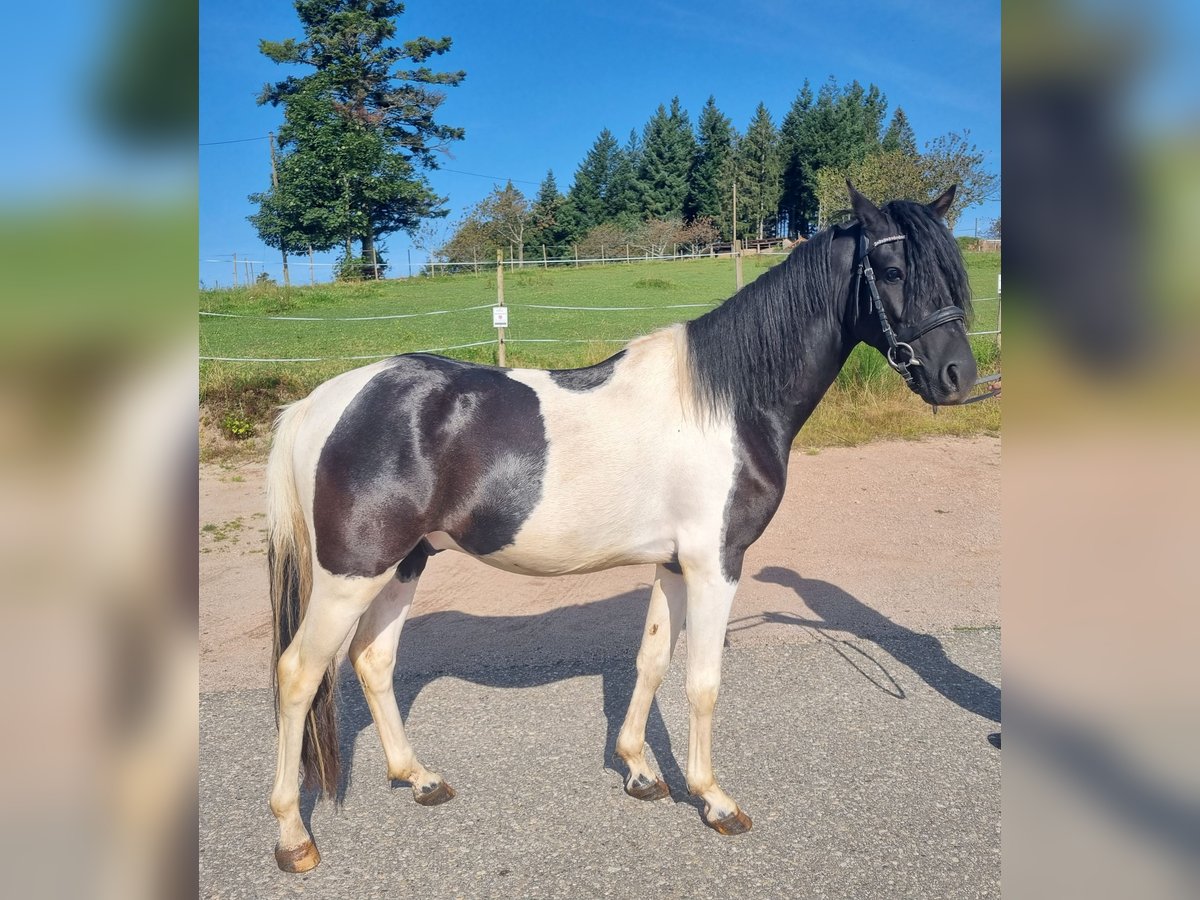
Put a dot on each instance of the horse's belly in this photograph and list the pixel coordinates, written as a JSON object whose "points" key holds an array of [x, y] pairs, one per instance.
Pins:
{"points": [[565, 556]]}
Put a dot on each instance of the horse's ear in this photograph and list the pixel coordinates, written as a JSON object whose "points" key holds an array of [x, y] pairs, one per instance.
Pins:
{"points": [[941, 205], [864, 210]]}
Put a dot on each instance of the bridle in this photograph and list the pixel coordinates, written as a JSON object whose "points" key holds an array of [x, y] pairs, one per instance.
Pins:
{"points": [[900, 354]]}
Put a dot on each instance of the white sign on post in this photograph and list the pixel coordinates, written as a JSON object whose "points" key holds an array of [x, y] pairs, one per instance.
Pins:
{"points": [[499, 316]]}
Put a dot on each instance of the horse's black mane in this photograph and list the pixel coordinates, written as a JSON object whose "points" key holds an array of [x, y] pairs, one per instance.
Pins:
{"points": [[747, 352]]}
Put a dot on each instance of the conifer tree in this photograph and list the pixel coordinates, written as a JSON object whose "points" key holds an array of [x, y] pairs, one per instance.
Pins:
{"points": [[759, 184], [624, 200], [666, 159], [548, 222], [588, 196], [357, 128], [709, 182], [899, 134]]}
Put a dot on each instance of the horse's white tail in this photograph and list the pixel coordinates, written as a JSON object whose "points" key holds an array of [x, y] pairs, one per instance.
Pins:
{"points": [[289, 558]]}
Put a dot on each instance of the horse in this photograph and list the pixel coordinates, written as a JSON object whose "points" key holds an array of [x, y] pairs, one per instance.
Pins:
{"points": [[672, 452]]}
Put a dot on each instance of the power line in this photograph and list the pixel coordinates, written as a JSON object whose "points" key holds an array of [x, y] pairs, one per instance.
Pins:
{"points": [[236, 141], [438, 169], [492, 177]]}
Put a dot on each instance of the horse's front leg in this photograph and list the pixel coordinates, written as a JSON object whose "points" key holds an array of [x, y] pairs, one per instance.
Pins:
{"points": [[668, 601], [709, 598]]}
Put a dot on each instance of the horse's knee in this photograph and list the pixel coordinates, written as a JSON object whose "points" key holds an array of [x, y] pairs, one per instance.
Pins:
{"points": [[702, 690]]}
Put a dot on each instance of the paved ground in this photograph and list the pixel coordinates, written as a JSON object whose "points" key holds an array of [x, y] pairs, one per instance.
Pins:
{"points": [[854, 720], [869, 773]]}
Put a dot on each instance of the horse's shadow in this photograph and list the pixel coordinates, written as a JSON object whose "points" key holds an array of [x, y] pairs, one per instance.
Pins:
{"points": [[840, 611], [602, 638], [597, 638]]}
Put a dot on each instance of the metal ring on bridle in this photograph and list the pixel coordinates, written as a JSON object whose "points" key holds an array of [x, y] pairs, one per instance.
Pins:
{"points": [[902, 364]]}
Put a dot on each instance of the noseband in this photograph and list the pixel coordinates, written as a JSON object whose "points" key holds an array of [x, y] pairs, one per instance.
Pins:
{"points": [[900, 354]]}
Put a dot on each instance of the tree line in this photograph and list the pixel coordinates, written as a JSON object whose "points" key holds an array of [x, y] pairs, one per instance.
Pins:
{"points": [[361, 126], [672, 185]]}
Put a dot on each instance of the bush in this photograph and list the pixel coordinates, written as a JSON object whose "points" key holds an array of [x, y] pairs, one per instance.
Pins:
{"points": [[968, 244], [236, 426]]}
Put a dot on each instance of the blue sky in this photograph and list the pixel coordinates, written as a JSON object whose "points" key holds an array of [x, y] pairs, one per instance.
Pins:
{"points": [[544, 78]]}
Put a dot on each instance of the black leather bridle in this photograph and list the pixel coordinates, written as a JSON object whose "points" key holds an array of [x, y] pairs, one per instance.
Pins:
{"points": [[900, 354]]}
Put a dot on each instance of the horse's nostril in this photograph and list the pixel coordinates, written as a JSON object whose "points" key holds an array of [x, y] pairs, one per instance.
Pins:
{"points": [[950, 376]]}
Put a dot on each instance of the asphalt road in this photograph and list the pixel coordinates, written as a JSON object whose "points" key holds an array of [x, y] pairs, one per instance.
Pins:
{"points": [[866, 766]]}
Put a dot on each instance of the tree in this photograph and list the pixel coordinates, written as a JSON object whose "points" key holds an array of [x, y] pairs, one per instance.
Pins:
{"points": [[548, 224], [882, 176], [796, 199], [837, 128], [589, 193], [759, 170], [623, 202], [356, 129], [499, 221], [899, 134], [507, 213], [655, 236], [666, 159], [604, 241], [708, 183], [698, 234], [953, 159], [993, 229]]}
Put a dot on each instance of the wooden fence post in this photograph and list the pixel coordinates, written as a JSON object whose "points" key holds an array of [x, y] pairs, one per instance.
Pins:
{"points": [[235, 275], [312, 275], [737, 264], [500, 347], [575, 247], [999, 309], [545, 265]]}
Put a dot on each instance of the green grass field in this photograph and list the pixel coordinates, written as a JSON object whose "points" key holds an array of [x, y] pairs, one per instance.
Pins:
{"points": [[868, 402]]}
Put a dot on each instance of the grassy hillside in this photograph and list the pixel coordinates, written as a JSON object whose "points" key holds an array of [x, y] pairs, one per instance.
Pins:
{"points": [[868, 401]]}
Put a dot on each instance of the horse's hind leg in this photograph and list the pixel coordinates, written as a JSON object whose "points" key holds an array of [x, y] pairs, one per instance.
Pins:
{"points": [[664, 619], [333, 608], [373, 653]]}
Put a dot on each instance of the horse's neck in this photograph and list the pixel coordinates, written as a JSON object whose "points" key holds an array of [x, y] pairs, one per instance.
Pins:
{"points": [[785, 418]]}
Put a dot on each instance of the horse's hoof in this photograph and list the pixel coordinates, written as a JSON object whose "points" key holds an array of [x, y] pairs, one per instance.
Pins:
{"points": [[734, 823], [645, 789], [435, 795], [300, 859]]}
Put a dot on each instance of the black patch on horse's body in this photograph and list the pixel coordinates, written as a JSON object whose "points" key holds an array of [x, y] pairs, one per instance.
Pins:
{"points": [[428, 444], [586, 379], [413, 565], [762, 444]]}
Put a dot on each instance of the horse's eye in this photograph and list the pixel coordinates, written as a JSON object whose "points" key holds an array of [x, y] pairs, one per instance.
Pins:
{"points": [[893, 274]]}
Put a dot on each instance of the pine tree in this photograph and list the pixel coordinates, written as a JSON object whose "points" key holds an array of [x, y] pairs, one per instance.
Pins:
{"points": [[836, 129], [709, 182], [624, 200], [759, 184], [549, 227], [796, 200], [899, 134], [667, 150], [356, 129], [589, 193]]}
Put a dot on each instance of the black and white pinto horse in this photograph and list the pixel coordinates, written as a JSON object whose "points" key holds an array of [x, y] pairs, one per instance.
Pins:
{"points": [[673, 452]]}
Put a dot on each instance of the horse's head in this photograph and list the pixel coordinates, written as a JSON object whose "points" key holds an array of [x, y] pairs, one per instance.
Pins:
{"points": [[913, 295]]}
